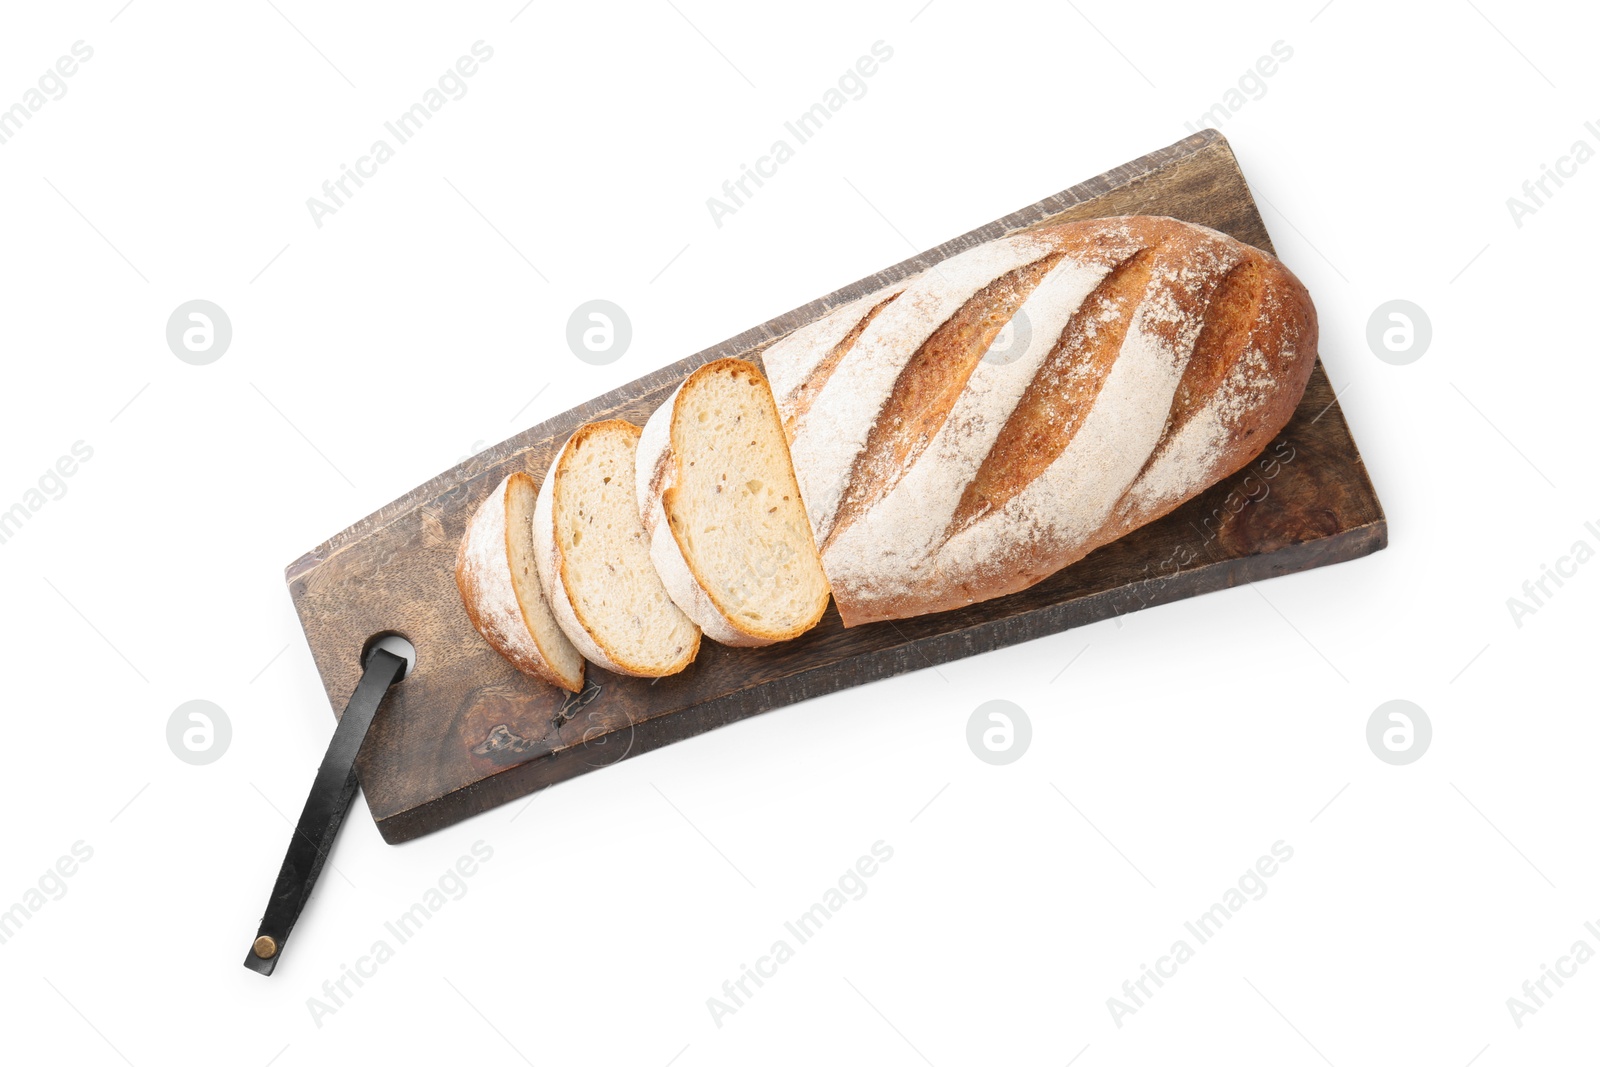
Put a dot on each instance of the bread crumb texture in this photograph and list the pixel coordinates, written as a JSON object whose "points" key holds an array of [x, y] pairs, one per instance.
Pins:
{"points": [[605, 557], [735, 509]]}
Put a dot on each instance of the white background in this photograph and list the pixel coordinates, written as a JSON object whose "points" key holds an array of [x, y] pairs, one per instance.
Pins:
{"points": [[414, 327]]}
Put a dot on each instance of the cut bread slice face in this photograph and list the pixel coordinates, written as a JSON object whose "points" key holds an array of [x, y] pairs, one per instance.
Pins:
{"points": [[594, 559], [728, 531], [499, 581]]}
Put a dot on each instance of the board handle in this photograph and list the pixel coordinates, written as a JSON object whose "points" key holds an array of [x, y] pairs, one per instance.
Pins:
{"points": [[326, 807]]}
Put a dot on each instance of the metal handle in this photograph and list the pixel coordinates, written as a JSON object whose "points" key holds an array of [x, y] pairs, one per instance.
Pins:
{"points": [[331, 794]]}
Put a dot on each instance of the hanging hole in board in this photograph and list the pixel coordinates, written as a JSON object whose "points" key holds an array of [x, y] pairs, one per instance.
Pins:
{"points": [[394, 643]]}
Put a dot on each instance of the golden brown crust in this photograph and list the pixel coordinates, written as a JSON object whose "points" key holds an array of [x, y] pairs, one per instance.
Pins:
{"points": [[1245, 330], [807, 391], [1286, 331], [1060, 395], [928, 388]]}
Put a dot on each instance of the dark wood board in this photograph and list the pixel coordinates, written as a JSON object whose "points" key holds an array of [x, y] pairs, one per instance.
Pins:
{"points": [[465, 732]]}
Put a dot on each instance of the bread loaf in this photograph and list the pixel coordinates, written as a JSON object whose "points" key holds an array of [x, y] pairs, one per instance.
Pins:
{"points": [[594, 560], [727, 532], [499, 583], [969, 432]]}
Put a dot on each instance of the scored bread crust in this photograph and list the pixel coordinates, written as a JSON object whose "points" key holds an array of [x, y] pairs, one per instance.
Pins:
{"points": [[939, 468], [489, 594], [657, 471], [552, 571]]}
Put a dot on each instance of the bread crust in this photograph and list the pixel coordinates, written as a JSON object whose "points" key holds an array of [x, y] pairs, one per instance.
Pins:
{"points": [[658, 470], [488, 593], [1163, 356], [553, 570]]}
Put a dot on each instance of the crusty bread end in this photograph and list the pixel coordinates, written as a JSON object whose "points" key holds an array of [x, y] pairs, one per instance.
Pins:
{"points": [[501, 592]]}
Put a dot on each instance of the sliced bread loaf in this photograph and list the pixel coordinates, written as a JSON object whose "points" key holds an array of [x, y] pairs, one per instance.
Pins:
{"points": [[727, 530], [594, 559], [499, 583], [943, 463]]}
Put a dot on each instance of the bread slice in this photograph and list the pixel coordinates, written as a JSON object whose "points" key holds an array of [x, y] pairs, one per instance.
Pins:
{"points": [[728, 532], [594, 560], [499, 583]]}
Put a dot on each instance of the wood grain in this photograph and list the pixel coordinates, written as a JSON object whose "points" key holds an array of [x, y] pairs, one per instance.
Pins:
{"points": [[465, 732]]}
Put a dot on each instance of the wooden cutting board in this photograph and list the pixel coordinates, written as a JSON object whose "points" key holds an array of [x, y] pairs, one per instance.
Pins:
{"points": [[465, 732]]}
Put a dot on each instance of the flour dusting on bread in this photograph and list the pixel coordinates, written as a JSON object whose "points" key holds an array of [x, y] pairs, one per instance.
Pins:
{"points": [[1163, 355]]}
